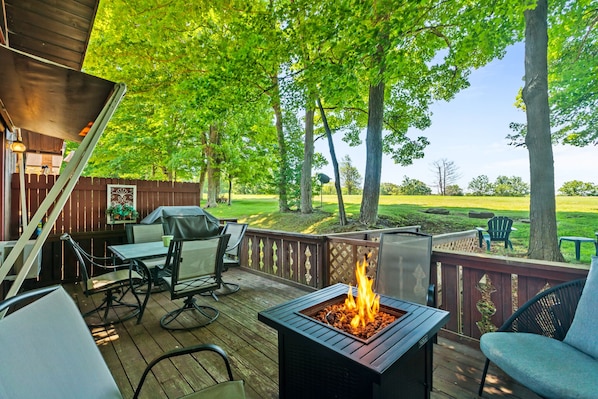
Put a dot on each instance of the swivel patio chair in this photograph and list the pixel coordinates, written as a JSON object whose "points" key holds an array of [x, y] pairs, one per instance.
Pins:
{"points": [[549, 344], [48, 352], [118, 283], [499, 229], [196, 267], [140, 233], [232, 256]]}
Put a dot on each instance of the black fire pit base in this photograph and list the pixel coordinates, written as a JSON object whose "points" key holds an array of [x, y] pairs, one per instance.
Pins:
{"points": [[319, 361], [307, 370]]}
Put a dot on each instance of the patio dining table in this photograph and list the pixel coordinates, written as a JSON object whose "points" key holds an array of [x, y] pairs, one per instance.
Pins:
{"points": [[141, 252]]}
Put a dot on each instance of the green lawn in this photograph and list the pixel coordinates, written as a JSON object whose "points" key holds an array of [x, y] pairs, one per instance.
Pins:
{"points": [[576, 216]]}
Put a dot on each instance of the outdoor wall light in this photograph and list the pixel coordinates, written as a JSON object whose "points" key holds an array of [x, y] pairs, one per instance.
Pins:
{"points": [[18, 147], [86, 129]]}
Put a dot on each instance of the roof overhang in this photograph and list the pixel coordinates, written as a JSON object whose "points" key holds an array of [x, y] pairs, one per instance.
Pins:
{"points": [[47, 98], [55, 30]]}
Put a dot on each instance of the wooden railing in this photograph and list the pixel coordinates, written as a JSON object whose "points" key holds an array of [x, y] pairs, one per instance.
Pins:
{"points": [[481, 291], [316, 261], [462, 278], [297, 258]]}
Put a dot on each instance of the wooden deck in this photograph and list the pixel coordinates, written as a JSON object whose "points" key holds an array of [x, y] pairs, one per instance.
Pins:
{"points": [[252, 348]]}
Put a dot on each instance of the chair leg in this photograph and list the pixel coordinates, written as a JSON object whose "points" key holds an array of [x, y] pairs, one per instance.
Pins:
{"points": [[227, 288], [210, 293], [111, 303], [145, 300], [155, 278], [209, 313], [483, 380]]}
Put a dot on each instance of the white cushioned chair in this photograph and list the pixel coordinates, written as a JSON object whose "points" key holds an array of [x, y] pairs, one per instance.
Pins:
{"points": [[48, 352]]}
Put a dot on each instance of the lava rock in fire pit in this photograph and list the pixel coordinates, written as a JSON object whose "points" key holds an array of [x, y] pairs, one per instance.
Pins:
{"points": [[338, 316]]}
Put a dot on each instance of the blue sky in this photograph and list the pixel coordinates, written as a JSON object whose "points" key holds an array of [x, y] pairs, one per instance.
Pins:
{"points": [[470, 130]]}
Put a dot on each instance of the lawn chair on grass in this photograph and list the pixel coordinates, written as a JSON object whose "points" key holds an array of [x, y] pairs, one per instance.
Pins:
{"points": [[499, 229]]}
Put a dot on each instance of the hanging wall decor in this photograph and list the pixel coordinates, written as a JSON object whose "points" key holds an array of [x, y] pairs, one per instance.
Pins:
{"points": [[122, 203]]}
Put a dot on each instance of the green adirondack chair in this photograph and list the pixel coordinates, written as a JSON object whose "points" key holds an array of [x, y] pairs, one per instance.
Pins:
{"points": [[499, 229]]}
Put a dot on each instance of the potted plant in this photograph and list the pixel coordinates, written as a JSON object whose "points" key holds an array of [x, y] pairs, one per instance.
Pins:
{"points": [[120, 212]]}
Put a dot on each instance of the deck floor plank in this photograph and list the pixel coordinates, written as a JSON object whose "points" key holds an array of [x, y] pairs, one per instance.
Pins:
{"points": [[253, 348]]}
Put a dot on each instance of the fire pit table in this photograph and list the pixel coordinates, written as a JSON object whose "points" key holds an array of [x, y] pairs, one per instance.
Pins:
{"points": [[316, 360]]}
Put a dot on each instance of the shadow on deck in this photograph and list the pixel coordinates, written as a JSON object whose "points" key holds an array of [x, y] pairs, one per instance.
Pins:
{"points": [[253, 348]]}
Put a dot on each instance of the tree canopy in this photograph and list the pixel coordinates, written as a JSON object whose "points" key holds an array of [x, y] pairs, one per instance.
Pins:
{"points": [[215, 88], [572, 71]]}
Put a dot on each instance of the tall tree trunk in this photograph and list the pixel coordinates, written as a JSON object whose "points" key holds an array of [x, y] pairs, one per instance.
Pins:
{"points": [[308, 158], [337, 174], [202, 182], [213, 167], [230, 190], [283, 204], [373, 166], [204, 168], [543, 234]]}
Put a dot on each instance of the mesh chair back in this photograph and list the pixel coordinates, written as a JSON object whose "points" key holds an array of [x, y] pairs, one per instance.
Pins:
{"points": [[404, 266], [138, 233], [236, 231], [196, 264]]}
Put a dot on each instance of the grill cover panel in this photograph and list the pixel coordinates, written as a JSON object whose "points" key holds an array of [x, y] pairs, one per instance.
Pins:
{"points": [[184, 221]]}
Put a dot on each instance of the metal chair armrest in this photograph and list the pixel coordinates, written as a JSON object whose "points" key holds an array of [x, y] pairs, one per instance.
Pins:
{"points": [[184, 351]]}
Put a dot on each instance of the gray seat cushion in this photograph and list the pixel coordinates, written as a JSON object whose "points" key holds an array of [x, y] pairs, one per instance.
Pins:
{"points": [[228, 389], [48, 352], [582, 333], [547, 366]]}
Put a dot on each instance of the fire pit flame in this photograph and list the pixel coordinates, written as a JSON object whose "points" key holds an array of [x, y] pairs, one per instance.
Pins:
{"points": [[367, 304], [361, 316]]}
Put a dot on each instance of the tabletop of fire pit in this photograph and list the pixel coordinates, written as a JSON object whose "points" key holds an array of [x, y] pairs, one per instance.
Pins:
{"points": [[409, 333]]}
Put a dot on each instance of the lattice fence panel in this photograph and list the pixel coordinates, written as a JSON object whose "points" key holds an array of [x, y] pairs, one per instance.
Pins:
{"points": [[343, 258], [468, 244]]}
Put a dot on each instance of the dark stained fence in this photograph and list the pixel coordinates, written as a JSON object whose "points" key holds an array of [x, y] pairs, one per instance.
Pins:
{"points": [[481, 291], [294, 257], [85, 211], [84, 217]]}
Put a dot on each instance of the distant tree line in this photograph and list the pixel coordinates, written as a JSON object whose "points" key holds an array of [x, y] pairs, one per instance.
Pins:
{"points": [[579, 188], [503, 186]]}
